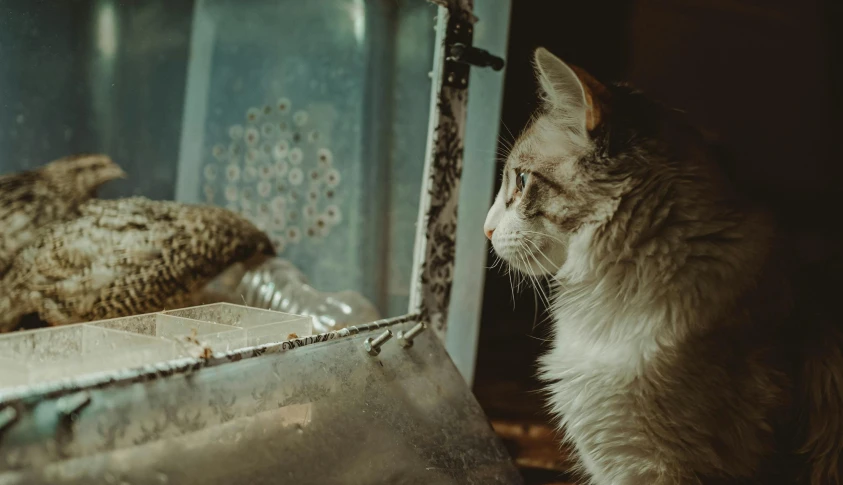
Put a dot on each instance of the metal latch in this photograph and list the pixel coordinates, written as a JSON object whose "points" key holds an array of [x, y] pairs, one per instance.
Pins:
{"points": [[467, 54], [461, 54]]}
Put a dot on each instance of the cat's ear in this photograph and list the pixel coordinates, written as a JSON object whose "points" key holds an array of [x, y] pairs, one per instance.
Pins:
{"points": [[569, 92]]}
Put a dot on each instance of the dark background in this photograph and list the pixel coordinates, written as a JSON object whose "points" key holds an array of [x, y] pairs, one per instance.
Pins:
{"points": [[760, 76]]}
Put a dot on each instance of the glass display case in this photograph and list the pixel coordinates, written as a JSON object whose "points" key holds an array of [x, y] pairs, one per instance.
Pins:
{"points": [[340, 128], [308, 117]]}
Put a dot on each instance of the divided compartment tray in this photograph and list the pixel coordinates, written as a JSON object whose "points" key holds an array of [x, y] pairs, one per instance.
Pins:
{"points": [[187, 333], [51, 354], [45, 355], [261, 326]]}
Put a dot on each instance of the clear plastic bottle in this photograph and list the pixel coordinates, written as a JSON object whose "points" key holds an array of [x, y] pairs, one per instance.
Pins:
{"points": [[276, 284]]}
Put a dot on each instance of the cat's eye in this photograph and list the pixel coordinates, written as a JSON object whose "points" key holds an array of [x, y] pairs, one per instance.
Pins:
{"points": [[521, 181]]}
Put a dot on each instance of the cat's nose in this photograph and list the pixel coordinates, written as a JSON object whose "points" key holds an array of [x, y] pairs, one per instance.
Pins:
{"points": [[489, 233]]}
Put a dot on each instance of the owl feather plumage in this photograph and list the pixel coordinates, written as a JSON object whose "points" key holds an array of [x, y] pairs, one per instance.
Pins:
{"points": [[125, 257], [32, 199]]}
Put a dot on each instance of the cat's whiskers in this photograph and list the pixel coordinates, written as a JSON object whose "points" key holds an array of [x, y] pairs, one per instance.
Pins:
{"points": [[511, 285], [541, 234], [522, 280], [538, 249], [522, 258], [539, 288], [504, 140], [500, 153], [496, 259], [520, 275], [550, 276], [541, 339], [504, 148], [529, 254], [528, 279]]}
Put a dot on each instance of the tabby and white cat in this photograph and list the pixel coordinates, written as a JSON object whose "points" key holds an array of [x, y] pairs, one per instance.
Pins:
{"points": [[676, 355]]}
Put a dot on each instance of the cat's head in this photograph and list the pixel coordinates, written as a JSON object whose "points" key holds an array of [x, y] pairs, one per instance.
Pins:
{"points": [[588, 147]]}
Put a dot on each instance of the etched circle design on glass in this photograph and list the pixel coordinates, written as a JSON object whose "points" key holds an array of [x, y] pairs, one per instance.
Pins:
{"points": [[278, 170]]}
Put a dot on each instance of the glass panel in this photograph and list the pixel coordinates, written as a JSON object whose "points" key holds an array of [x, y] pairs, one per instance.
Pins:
{"points": [[308, 117], [476, 187], [322, 413]]}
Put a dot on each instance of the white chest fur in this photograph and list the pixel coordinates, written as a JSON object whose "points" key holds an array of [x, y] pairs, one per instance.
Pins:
{"points": [[594, 371]]}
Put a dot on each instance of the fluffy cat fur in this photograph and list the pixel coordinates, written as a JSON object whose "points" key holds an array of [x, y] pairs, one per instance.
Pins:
{"points": [[677, 354]]}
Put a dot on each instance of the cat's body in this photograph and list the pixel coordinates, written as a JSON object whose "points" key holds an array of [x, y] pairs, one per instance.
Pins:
{"points": [[676, 354], [643, 406]]}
